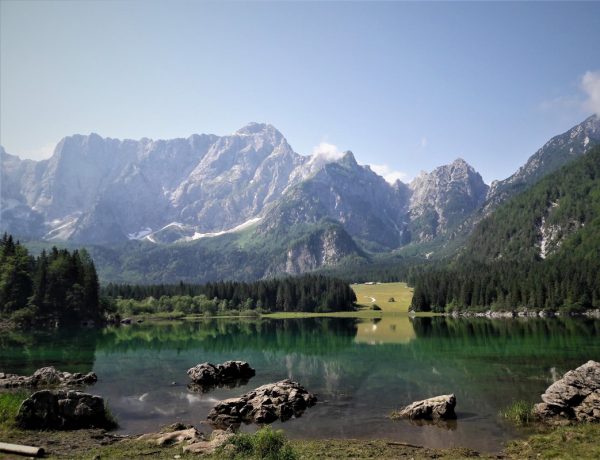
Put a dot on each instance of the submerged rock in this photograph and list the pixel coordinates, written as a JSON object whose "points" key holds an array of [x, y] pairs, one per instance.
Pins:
{"points": [[47, 376], [63, 410], [436, 408], [207, 374], [575, 397], [266, 404]]}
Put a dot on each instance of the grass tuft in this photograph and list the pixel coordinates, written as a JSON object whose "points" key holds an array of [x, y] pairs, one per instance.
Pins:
{"points": [[265, 444], [519, 412]]}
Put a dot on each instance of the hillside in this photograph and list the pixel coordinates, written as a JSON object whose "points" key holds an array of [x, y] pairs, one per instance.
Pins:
{"points": [[539, 250]]}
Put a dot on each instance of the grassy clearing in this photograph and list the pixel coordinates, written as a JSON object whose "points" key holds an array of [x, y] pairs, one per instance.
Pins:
{"points": [[381, 295], [519, 412]]}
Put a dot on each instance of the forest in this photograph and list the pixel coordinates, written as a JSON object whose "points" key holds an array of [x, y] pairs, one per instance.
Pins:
{"points": [[307, 293], [58, 286]]}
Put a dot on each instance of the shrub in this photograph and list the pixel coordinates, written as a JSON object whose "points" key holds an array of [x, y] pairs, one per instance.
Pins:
{"points": [[519, 412], [265, 444], [375, 307], [391, 299]]}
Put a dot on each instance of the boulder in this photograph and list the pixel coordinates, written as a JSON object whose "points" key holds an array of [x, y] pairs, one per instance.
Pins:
{"points": [[63, 410], [209, 375], [47, 377], [575, 397], [436, 408], [266, 404]]}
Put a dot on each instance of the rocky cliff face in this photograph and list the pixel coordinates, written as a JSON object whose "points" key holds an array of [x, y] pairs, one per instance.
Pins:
{"points": [[99, 190], [443, 198], [369, 208]]}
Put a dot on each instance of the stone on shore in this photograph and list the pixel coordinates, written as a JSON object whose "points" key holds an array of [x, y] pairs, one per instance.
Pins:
{"points": [[192, 440], [575, 397], [47, 377], [207, 374], [63, 410], [436, 408], [266, 404]]}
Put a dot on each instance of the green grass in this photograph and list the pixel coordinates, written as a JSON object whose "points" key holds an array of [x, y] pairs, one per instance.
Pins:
{"points": [[265, 444], [567, 442], [519, 412], [382, 294], [9, 407]]}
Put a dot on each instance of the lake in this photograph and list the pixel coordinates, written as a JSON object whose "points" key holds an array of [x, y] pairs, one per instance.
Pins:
{"points": [[360, 369]]}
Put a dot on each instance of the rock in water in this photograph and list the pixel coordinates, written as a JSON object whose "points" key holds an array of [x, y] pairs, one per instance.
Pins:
{"points": [[207, 374], [575, 397], [274, 401], [47, 376], [436, 408], [63, 410]]}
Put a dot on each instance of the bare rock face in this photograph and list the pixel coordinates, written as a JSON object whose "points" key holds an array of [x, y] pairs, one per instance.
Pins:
{"points": [[575, 397], [436, 408], [207, 375], [47, 377], [63, 410], [266, 404]]}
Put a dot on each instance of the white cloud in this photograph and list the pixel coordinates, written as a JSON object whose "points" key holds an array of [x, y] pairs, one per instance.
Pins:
{"points": [[326, 152], [590, 83], [41, 153], [424, 142], [388, 173]]}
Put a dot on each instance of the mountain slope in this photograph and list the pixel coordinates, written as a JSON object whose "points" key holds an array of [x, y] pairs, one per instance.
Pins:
{"points": [[539, 250], [556, 153]]}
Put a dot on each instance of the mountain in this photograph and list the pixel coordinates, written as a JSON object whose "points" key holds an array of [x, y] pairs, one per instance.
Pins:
{"points": [[443, 198], [539, 250], [556, 153], [238, 206], [101, 190], [371, 210]]}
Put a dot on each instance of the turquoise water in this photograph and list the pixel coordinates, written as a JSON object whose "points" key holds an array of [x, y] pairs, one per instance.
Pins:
{"points": [[361, 370]]}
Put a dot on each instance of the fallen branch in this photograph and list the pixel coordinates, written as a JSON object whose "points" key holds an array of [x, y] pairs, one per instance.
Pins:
{"points": [[21, 450]]}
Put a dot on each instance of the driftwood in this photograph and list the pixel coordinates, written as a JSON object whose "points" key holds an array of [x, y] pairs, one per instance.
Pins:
{"points": [[21, 450]]}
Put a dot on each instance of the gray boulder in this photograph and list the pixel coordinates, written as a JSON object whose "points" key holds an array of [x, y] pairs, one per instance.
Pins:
{"points": [[63, 410], [207, 374], [266, 404], [47, 377], [436, 408], [575, 397]]}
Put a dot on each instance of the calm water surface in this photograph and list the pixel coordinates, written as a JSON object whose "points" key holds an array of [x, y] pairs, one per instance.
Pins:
{"points": [[361, 370]]}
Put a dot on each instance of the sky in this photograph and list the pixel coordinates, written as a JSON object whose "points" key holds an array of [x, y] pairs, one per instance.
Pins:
{"points": [[405, 86]]}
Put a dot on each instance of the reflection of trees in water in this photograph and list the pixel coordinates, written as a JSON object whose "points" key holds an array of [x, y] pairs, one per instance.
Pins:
{"points": [[310, 335], [66, 349]]}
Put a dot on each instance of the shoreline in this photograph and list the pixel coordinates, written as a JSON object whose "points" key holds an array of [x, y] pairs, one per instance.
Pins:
{"points": [[544, 442]]}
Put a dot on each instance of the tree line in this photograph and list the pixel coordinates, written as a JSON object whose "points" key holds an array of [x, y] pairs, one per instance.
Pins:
{"points": [[58, 285], [307, 293]]}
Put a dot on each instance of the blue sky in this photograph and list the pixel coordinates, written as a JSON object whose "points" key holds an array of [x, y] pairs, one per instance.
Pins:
{"points": [[407, 86]]}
